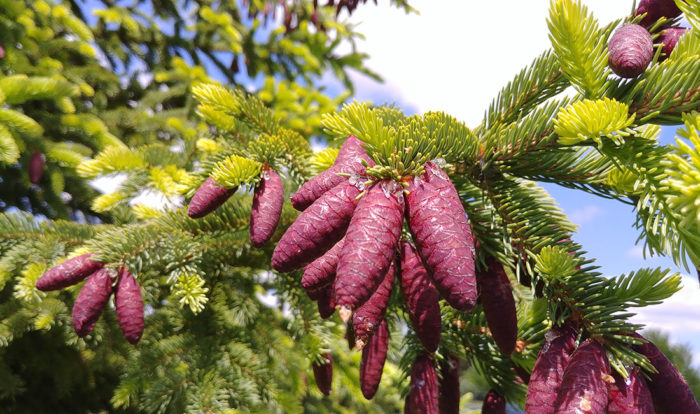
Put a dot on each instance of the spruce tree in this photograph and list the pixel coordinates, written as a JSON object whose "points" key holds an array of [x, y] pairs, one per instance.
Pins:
{"points": [[227, 328]]}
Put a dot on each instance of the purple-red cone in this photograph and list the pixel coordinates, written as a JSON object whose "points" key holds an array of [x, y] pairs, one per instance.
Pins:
{"points": [[268, 198], [368, 316], [68, 273], [209, 196], [669, 38], [372, 363], [129, 306], [36, 167], [630, 396], [448, 401], [583, 387], [323, 374], [630, 50], [422, 395], [499, 305], [91, 301], [655, 9]]}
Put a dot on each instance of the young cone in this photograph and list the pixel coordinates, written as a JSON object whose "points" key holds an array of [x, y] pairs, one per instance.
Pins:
{"points": [[669, 38], [36, 167], [669, 391], [323, 374], [368, 316], [91, 301], [129, 306], [447, 250], [655, 9], [499, 305], [420, 297], [630, 50], [321, 272], [494, 403], [68, 273], [316, 229], [422, 395], [369, 246], [325, 302], [583, 388], [441, 181], [267, 207], [209, 196], [350, 335], [549, 368], [448, 401], [629, 396], [348, 162], [373, 358]]}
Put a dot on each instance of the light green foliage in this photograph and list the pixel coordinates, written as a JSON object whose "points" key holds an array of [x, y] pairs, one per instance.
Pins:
{"points": [[580, 46], [591, 120]]}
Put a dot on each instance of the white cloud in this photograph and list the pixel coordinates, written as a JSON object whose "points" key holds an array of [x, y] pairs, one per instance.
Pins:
{"points": [[456, 55], [585, 214]]}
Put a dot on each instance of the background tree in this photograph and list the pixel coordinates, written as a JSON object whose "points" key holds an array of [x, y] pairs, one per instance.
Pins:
{"points": [[212, 342]]}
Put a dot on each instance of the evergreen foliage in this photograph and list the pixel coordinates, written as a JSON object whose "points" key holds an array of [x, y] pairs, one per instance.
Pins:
{"points": [[223, 332]]}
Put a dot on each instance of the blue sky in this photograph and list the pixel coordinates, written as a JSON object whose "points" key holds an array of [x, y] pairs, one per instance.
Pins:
{"points": [[455, 56]]}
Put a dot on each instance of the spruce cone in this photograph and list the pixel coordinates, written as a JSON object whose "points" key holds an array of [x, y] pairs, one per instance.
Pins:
{"points": [[323, 374], [369, 246], [548, 371], [655, 9], [91, 301], [669, 391], [583, 388], [422, 396], [630, 50], [499, 305], [669, 38], [129, 305], [368, 316], [373, 358], [68, 273], [36, 167], [449, 386], [421, 298], [267, 207], [209, 196]]}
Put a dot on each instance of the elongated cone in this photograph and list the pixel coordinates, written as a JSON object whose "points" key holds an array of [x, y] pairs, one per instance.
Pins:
{"points": [[669, 391], [494, 403], [368, 316], [209, 196], [669, 38], [91, 301], [36, 167], [422, 395], [369, 246], [448, 401], [321, 272], [630, 50], [348, 162], [421, 298], [547, 373], [267, 207], [441, 181], [447, 251], [326, 303], [499, 305], [583, 388], [372, 362], [630, 396], [129, 304], [655, 9], [68, 273], [323, 374], [317, 229]]}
